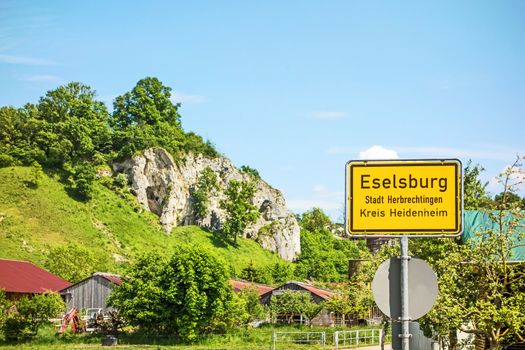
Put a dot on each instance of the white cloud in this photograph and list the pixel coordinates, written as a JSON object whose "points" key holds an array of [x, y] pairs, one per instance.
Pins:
{"points": [[320, 189], [321, 197], [31, 61], [378, 152], [180, 97], [37, 78], [330, 115]]}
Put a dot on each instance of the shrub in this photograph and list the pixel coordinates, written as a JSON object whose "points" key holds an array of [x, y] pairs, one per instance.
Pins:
{"points": [[31, 314]]}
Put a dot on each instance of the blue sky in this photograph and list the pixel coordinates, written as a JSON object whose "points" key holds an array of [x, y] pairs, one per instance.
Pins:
{"points": [[294, 89]]}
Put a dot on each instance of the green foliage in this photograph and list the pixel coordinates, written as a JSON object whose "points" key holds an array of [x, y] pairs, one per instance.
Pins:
{"points": [[272, 274], [31, 314], [18, 136], [281, 272], [252, 304], [315, 220], [37, 173], [240, 212], [250, 171], [121, 181], [323, 256], [195, 144], [253, 273], [81, 180], [508, 201], [205, 186], [4, 306], [481, 290], [72, 262], [70, 130], [145, 117], [474, 191], [72, 125], [290, 303], [186, 295]]}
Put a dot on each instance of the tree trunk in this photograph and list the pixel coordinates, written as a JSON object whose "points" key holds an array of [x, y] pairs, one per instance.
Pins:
{"points": [[494, 344], [453, 339]]}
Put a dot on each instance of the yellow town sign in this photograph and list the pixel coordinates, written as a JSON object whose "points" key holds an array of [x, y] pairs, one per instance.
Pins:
{"points": [[404, 197]]}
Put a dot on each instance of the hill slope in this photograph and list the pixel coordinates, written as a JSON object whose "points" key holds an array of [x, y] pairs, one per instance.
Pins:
{"points": [[35, 219]]}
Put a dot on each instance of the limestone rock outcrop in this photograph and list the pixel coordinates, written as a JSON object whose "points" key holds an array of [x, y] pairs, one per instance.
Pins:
{"points": [[164, 187]]}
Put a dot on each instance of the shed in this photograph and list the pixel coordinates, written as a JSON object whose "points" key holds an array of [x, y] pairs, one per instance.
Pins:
{"points": [[22, 278], [92, 292], [318, 294]]}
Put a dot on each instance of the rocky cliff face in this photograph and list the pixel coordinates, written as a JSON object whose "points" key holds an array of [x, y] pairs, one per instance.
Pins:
{"points": [[163, 187]]}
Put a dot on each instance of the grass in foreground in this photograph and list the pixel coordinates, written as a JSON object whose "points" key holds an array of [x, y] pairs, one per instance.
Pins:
{"points": [[249, 339]]}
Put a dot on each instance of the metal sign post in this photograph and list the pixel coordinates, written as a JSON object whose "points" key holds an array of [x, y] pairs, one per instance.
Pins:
{"points": [[405, 319]]}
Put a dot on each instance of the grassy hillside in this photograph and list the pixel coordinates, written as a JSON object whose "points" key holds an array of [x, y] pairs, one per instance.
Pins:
{"points": [[35, 219]]}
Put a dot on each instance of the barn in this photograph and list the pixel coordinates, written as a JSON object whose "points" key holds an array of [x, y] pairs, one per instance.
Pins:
{"points": [[22, 278], [318, 294], [92, 292]]}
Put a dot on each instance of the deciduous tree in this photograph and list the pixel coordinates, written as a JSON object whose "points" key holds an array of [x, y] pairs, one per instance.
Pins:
{"points": [[186, 295], [240, 212], [475, 191], [481, 291], [71, 262]]}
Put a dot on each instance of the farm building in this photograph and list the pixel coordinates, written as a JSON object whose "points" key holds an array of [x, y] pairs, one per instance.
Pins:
{"points": [[318, 294], [239, 285], [92, 292], [22, 278]]}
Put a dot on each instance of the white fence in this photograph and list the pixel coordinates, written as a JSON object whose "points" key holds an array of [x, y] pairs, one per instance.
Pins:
{"points": [[298, 338], [354, 339]]}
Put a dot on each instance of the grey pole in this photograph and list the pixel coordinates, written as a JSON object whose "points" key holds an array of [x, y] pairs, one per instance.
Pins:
{"points": [[405, 319]]}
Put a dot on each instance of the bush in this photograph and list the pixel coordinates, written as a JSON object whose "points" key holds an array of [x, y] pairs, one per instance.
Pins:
{"points": [[185, 295], [31, 314], [121, 180]]}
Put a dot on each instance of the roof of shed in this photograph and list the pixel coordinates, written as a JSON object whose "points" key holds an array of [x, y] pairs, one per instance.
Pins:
{"points": [[238, 285], [320, 292], [111, 277], [114, 278], [18, 276]]}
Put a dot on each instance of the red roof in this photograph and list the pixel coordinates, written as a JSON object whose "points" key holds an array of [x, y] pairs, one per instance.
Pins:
{"points": [[320, 292], [114, 278], [323, 293], [23, 277], [238, 285]]}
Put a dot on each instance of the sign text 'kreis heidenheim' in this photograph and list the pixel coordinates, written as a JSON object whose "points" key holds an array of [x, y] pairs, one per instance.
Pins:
{"points": [[414, 197]]}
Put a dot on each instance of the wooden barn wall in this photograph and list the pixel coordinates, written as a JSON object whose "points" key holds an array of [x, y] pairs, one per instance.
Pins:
{"points": [[91, 293]]}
